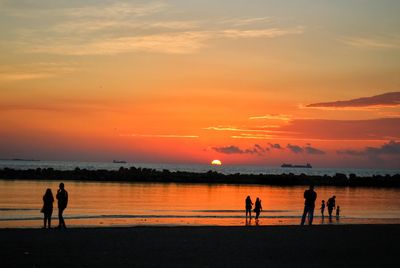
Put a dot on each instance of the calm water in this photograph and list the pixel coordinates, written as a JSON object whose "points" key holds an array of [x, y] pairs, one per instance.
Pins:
{"points": [[70, 165], [132, 204]]}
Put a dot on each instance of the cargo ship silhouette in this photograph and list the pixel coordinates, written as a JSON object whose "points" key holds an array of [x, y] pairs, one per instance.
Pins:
{"points": [[296, 166]]}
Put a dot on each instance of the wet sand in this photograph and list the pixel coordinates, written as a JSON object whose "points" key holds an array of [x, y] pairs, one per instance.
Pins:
{"points": [[267, 246]]}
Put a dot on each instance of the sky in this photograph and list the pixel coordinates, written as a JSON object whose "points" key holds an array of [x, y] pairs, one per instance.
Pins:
{"points": [[247, 82]]}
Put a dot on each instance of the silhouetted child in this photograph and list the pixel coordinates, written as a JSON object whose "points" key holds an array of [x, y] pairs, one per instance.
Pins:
{"points": [[322, 208], [337, 212], [47, 209], [257, 208], [249, 205], [62, 197]]}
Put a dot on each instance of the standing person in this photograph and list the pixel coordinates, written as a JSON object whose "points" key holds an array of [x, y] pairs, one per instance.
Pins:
{"points": [[322, 208], [47, 209], [62, 197], [337, 212], [249, 205], [309, 204], [331, 204], [257, 207]]}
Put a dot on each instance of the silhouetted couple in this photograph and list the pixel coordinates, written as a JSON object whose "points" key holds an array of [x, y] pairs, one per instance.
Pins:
{"points": [[331, 204], [47, 210], [249, 206], [309, 204]]}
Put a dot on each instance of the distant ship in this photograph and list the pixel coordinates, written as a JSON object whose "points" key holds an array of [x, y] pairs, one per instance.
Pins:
{"points": [[119, 161], [22, 159], [296, 166]]}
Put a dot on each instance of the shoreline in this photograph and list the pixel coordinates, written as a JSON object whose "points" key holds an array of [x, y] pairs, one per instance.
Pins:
{"points": [[273, 246], [145, 175]]}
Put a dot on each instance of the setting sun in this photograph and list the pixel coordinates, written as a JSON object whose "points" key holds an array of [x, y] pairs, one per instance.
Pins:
{"points": [[216, 162]]}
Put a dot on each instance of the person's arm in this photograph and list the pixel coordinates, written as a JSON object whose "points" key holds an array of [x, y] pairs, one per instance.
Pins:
{"points": [[66, 198]]}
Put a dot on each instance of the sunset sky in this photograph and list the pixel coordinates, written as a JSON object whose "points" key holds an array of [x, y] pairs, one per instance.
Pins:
{"points": [[247, 82]]}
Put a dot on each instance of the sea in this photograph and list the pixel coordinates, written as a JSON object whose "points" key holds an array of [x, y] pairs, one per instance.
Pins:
{"points": [[225, 169], [112, 204]]}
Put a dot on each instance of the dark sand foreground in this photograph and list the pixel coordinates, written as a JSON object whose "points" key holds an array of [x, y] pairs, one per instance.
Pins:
{"points": [[277, 246]]}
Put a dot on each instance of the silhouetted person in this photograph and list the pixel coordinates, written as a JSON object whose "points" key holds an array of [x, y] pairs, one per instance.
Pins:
{"points": [[249, 205], [62, 197], [337, 212], [331, 205], [322, 208], [257, 207], [47, 209], [309, 204]]}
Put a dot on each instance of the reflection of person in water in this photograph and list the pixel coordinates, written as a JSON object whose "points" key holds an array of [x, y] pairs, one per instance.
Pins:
{"points": [[249, 205], [62, 197], [47, 209], [257, 207]]}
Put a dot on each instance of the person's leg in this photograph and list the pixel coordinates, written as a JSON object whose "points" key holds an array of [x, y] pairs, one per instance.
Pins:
{"points": [[44, 220], [61, 222], [49, 220], [303, 218], [310, 216]]}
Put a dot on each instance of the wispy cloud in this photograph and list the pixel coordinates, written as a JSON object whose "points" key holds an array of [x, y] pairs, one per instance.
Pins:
{"points": [[268, 33], [386, 42], [174, 136], [347, 130], [386, 100], [179, 43], [123, 27], [34, 71], [254, 136], [282, 117], [245, 129], [248, 21]]}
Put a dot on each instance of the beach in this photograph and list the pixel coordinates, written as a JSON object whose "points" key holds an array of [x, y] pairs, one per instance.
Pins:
{"points": [[267, 246]]}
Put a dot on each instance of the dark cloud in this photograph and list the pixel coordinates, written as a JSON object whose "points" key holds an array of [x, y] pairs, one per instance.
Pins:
{"points": [[306, 149], [351, 152], [311, 150], [229, 150], [295, 148], [387, 99], [275, 146], [232, 149], [390, 148], [261, 149]]}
